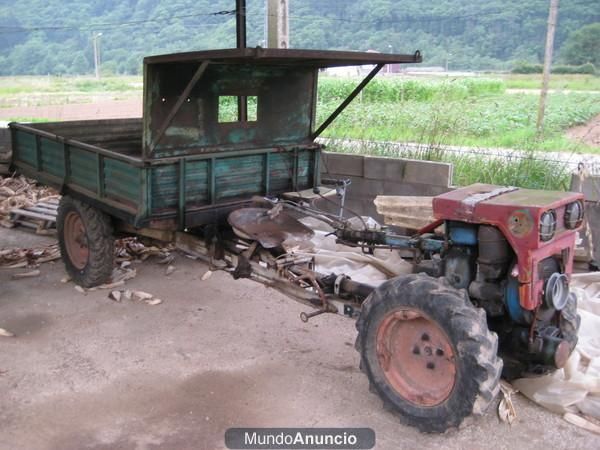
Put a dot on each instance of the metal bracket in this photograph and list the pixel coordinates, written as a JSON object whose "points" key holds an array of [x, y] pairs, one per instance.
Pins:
{"points": [[341, 186], [346, 102], [338, 283]]}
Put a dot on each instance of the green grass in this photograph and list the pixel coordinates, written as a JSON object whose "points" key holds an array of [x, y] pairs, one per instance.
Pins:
{"points": [[38, 85], [498, 120], [403, 89], [26, 119], [567, 82]]}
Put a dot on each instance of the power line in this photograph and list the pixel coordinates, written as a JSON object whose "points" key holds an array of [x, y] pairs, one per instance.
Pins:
{"points": [[410, 19], [406, 19], [104, 26]]}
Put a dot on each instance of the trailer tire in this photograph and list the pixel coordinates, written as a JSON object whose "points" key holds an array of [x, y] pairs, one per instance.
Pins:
{"points": [[428, 352], [85, 237]]}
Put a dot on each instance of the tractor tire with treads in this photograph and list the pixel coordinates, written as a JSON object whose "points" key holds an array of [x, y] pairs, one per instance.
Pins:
{"points": [[428, 352], [85, 237]]}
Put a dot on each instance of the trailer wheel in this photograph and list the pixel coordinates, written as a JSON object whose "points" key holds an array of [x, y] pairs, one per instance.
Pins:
{"points": [[427, 352], [86, 241]]}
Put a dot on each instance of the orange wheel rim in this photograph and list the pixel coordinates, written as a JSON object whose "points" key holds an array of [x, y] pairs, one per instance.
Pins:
{"points": [[76, 242], [416, 357]]}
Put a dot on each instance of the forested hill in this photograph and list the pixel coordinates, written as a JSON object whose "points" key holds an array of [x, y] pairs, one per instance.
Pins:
{"points": [[55, 36]]}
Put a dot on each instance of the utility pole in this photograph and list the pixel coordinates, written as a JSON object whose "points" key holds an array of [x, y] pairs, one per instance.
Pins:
{"points": [[547, 64], [240, 23], [278, 26], [95, 38], [240, 38]]}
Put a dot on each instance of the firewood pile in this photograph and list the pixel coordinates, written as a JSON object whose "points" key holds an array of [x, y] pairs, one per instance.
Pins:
{"points": [[20, 192], [127, 250], [15, 258], [132, 248]]}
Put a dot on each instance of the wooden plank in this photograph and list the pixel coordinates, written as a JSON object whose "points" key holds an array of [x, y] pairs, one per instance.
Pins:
{"points": [[50, 206], [34, 215], [37, 209], [190, 244], [24, 223], [405, 211], [159, 235]]}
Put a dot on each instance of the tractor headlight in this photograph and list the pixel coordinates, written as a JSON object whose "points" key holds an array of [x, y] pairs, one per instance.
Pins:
{"points": [[547, 225], [574, 215]]}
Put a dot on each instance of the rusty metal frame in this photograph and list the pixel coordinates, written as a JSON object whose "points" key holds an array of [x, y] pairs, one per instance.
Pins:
{"points": [[161, 131], [347, 101], [269, 277]]}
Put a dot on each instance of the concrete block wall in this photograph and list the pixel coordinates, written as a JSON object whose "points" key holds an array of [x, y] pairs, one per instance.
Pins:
{"points": [[372, 176], [4, 141], [5, 150]]}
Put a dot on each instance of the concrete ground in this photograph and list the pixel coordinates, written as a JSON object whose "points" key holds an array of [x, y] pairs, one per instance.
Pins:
{"points": [[84, 372]]}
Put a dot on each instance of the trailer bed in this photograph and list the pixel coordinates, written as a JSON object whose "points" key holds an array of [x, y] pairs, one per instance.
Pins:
{"points": [[101, 162]]}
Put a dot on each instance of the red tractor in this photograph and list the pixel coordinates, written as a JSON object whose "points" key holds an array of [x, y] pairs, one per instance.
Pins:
{"points": [[431, 342]]}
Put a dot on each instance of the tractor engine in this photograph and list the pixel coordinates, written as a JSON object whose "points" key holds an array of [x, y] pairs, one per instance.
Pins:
{"points": [[512, 250]]}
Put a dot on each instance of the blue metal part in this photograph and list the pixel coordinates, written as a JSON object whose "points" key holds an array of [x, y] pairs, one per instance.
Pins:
{"points": [[383, 238], [429, 245], [396, 241], [462, 233], [513, 305]]}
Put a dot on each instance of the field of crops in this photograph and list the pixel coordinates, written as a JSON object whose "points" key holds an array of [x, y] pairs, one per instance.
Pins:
{"points": [[567, 82], [466, 112], [482, 112], [469, 112]]}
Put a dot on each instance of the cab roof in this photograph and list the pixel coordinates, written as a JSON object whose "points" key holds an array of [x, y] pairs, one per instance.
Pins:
{"points": [[286, 57]]}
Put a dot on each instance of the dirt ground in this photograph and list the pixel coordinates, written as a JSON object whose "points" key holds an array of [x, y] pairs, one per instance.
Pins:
{"points": [[101, 109], [84, 372], [588, 133]]}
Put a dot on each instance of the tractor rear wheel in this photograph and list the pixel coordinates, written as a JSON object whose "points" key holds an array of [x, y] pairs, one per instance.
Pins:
{"points": [[427, 352], [86, 241]]}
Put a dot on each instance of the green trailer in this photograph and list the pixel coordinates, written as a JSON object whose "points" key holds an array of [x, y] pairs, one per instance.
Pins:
{"points": [[218, 128]]}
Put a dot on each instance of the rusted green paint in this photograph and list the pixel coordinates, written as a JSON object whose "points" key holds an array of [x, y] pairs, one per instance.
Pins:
{"points": [[24, 147], [284, 116], [52, 157], [84, 169], [213, 181], [121, 181]]}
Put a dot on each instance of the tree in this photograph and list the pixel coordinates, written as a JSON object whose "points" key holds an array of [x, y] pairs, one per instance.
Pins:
{"points": [[583, 46], [479, 35]]}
